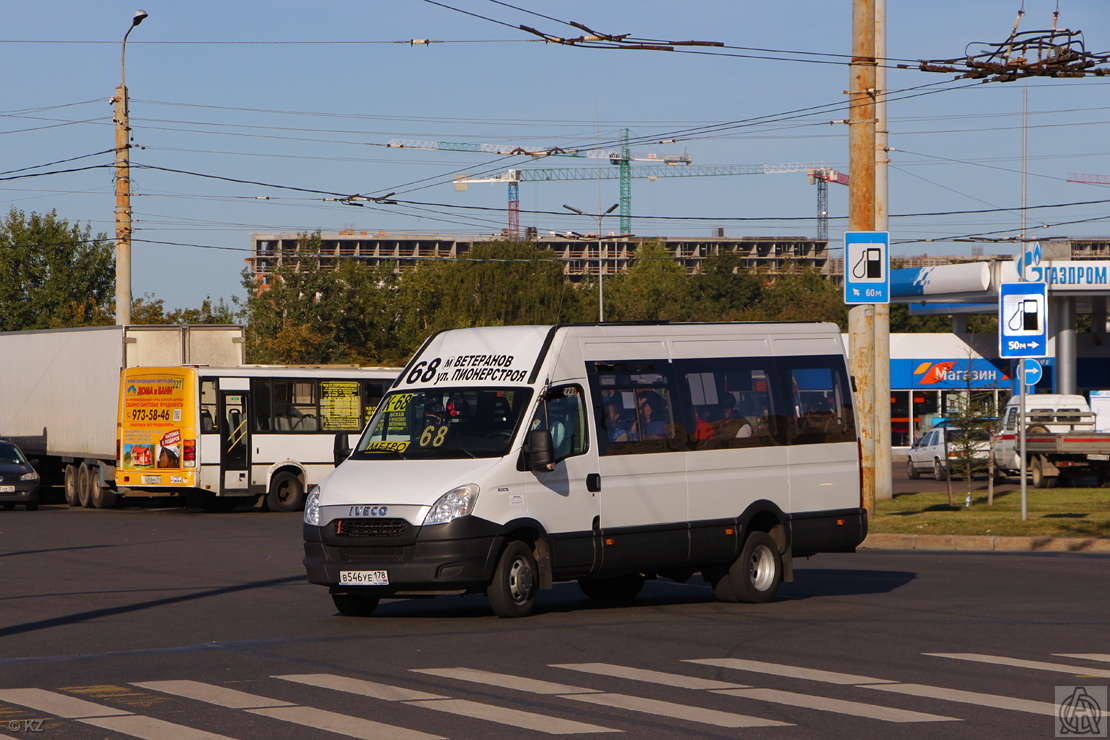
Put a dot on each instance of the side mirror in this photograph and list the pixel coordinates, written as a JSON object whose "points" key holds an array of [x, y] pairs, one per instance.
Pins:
{"points": [[340, 449], [539, 450]]}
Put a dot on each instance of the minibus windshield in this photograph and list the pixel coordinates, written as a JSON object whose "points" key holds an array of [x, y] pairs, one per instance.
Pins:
{"points": [[444, 423]]}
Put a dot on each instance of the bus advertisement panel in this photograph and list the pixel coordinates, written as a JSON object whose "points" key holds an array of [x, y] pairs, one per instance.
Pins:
{"points": [[158, 428]]}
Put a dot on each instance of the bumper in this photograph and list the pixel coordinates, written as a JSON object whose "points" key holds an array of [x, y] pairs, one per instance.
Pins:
{"points": [[22, 493], [445, 558]]}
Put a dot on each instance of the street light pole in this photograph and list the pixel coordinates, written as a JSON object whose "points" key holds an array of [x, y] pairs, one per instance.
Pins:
{"points": [[123, 187], [600, 259]]}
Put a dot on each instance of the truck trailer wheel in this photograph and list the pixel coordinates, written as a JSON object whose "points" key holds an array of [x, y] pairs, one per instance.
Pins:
{"points": [[84, 485], [757, 573], [1040, 480], [73, 495], [515, 581], [102, 498], [286, 493]]}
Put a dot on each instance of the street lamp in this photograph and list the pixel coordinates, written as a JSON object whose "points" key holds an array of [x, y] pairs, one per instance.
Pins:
{"points": [[123, 187], [600, 262]]}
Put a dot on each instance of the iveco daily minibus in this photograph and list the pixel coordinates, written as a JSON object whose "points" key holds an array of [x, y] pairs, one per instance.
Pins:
{"points": [[505, 459]]}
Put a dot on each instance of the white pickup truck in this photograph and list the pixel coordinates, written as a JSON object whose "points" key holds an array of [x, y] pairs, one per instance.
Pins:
{"points": [[1060, 440]]}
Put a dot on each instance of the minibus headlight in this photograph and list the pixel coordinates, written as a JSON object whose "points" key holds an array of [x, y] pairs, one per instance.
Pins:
{"points": [[312, 507], [453, 504]]}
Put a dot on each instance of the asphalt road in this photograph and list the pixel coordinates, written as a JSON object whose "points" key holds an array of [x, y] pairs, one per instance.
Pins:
{"points": [[177, 624]]}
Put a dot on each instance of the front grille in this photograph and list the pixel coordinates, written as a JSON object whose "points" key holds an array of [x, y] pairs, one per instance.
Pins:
{"points": [[371, 527], [371, 554]]}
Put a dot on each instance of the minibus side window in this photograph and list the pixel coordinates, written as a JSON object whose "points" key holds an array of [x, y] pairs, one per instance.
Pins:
{"points": [[731, 402], [820, 404], [634, 407], [209, 413], [295, 405], [563, 411], [260, 393]]}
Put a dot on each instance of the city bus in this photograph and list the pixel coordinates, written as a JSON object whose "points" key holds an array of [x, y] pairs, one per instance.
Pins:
{"points": [[235, 435]]}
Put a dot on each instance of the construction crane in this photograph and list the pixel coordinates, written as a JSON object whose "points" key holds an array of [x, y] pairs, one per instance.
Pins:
{"points": [[621, 158], [819, 174]]}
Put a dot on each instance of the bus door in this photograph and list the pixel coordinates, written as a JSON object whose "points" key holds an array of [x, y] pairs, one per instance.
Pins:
{"points": [[235, 443]]}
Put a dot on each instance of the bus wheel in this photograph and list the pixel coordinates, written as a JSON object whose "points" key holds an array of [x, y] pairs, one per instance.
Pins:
{"points": [[286, 493], [355, 605], [73, 496], [757, 573], [618, 588], [515, 579], [84, 485]]}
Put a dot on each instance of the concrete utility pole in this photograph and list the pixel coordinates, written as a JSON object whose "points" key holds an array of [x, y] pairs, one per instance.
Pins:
{"points": [[884, 485], [123, 187], [861, 217]]}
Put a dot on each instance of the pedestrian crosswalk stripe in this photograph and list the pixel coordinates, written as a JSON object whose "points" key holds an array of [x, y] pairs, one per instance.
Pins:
{"points": [[519, 683], [969, 697], [677, 711], [149, 728], [840, 706], [473, 709], [57, 704], [514, 717], [342, 724], [1036, 665], [361, 687], [657, 677], [1103, 657], [622, 701], [789, 671]]}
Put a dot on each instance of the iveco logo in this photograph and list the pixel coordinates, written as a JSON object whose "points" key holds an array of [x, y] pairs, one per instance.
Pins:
{"points": [[368, 511]]}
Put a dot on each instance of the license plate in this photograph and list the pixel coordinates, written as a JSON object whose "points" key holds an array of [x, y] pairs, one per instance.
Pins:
{"points": [[364, 577], [7, 489], [152, 480], [1098, 457]]}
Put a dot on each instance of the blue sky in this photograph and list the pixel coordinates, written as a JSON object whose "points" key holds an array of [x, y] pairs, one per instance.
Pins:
{"points": [[305, 94]]}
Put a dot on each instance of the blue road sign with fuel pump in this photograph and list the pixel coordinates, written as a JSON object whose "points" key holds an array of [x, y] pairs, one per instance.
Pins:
{"points": [[866, 267], [1023, 320]]}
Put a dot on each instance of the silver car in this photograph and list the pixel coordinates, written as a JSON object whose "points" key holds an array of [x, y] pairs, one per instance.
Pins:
{"points": [[19, 483], [928, 454]]}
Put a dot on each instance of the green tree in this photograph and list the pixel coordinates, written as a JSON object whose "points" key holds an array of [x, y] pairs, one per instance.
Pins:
{"points": [[151, 310], [655, 288], [724, 289], [799, 295], [53, 274]]}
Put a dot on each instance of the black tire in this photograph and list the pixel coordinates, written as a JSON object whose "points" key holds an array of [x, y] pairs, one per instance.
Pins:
{"points": [[616, 588], [84, 485], [73, 494], [104, 498], [940, 472], [911, 472], [512, 593], [757, 573], [1040, 480], [355, 605], [286, 493]]}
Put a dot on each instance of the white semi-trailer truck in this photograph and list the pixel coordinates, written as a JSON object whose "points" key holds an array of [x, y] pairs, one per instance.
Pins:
{"points": [[59, 392]]}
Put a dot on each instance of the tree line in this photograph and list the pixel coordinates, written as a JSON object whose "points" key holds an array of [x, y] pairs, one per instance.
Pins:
{"points": [[321, 310]]}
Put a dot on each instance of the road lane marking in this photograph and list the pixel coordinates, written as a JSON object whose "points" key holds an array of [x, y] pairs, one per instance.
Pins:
{"points": [[593, 696], [107, 718], [969, 697], [657, 677], [677, 711], [1035, 665], [790, 671], [57, 704], [358, 686], [514, 717], [1103, 657], [476, 710], [342, 724], [501, 680], [210, 694], [840, 706]]}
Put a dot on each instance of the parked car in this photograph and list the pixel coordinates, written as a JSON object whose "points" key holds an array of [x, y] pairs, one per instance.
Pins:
{"points": [[928, 453], [19, 483]]}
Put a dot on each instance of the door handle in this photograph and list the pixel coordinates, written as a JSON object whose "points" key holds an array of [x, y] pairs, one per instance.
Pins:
{"points": [[593, 482]]}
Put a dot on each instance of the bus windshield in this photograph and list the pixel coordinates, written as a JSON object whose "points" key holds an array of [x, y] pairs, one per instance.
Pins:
{"points": [[444, 423]]}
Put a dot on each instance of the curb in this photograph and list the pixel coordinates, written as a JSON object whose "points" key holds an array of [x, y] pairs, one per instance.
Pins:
{"points": [[954, 543]]}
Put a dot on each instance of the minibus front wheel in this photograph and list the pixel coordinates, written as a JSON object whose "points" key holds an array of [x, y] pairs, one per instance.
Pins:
{"points": [[354, 605], [755, 576], [516, 579]]}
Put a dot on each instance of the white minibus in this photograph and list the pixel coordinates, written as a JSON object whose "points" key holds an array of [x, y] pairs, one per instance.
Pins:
{"points": [[505, 459]]}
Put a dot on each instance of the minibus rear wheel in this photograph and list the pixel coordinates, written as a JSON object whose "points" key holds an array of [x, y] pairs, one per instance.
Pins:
{"points": [[512, 593], [757, 573], [355, 605]]}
